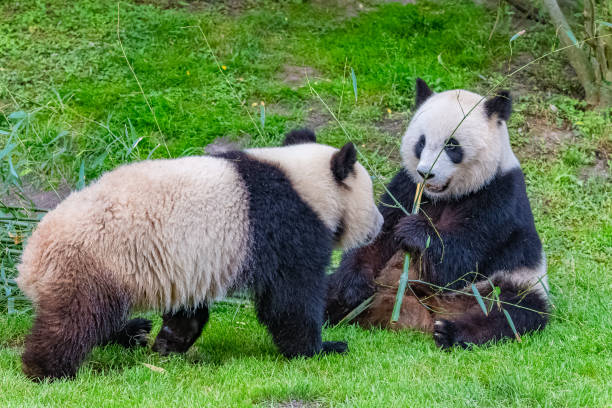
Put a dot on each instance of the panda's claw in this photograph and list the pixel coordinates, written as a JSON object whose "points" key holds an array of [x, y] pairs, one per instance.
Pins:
{"points": [[444, 333]]}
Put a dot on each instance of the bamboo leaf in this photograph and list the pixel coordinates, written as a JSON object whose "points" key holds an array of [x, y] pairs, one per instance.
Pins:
{"points": [[154, 368], [127, 154], [81, 182], [518, 338], [262, 116], [12, 169], [354, 79], [356, 311], [7, 149], [399, 296], [479, 300], [153, 150], [17, 115], [517, 35]]}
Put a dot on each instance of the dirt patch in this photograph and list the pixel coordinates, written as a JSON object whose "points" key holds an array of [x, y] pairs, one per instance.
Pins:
{"points": [[552, 75], [232, 7], [394, 125], [317, 118], [295, 75], [42, 199], [543, 139], [600, 169]]}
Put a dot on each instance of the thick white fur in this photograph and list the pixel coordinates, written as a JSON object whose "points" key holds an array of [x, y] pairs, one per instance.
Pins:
{"points": [[175, 232], [159, 227], [308, 167], [485, 143]]}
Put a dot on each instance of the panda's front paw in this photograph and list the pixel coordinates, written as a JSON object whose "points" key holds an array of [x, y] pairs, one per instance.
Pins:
{"points": [[446, 334], [334, 347], [410, 233]]}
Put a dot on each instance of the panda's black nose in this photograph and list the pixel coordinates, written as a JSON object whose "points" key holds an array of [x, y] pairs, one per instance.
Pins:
{"points": [[425, 175]]}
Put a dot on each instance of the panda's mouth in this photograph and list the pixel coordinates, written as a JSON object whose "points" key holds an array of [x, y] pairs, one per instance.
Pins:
{"points": [[434, 188]]}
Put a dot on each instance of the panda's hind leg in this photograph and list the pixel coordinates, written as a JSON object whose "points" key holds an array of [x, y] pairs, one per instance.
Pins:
{"points": [[134, 333], [181, 329], [527, 309], [74, 314]]}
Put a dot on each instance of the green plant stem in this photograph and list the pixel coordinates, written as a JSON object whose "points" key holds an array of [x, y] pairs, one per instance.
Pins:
{"points": [[401, 289]]}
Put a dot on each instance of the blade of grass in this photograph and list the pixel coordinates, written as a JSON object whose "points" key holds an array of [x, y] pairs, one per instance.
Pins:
{"points": [[354, 78]]}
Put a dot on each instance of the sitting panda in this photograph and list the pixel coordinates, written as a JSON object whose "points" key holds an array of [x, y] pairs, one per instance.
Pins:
{"points": [[173, 235], [475, 226]]}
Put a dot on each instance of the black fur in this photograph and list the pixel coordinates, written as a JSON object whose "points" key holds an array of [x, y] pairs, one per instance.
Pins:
{"points": [[299, 136], [286, 269], [487, 231], [180, 330], [353, 281], [474, 327], [419, 146], [500, 104], [453, 150], [343, 162], [133, 334], [423, 92], [78, 312]]}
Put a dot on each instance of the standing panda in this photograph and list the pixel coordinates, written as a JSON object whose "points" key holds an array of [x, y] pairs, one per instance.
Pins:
{"points": [[173, 235], [475, 226]]}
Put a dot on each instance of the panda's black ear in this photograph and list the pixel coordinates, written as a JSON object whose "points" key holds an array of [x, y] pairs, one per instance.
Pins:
{"points": [[299, 136], [500, 104], [422, 92], [343, 162]]}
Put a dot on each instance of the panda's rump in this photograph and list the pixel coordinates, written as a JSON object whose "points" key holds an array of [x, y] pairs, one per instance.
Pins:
{"points": [[174, 232]]}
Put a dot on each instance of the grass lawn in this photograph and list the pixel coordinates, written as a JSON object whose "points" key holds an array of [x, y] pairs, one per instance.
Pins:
{"points": [[71, 108]]}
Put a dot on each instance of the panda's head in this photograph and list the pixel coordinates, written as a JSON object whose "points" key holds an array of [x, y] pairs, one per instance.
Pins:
{"points": [[457, 141], [332, 183]]}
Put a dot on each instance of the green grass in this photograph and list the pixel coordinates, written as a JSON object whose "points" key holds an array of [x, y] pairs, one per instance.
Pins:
{"points": [[68, 99]]}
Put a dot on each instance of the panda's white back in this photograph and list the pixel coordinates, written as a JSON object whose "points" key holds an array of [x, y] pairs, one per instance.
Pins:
{"points": [[173, 231]]}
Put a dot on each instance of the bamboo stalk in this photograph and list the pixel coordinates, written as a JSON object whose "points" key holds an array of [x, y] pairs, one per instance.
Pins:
{"points": [[401, 289]]}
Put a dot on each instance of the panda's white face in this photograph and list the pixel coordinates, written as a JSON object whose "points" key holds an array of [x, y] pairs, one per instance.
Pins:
{"points": [[361, 221], [454, 146]]}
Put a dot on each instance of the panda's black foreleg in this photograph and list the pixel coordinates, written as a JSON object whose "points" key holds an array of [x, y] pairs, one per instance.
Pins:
{"points": [[293, 313], [180, 330], [527, 312]]}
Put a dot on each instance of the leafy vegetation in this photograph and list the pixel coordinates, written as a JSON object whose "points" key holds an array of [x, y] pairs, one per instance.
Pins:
{"points": [[72, 108]]}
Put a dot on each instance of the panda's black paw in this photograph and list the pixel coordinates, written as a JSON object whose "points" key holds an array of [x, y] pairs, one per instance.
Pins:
{"points": [[446, 334], [334, 347], [135, 333]]}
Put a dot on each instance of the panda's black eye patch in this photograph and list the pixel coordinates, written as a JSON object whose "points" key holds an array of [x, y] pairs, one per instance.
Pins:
{"points": [[453, 150], [419, 146]]}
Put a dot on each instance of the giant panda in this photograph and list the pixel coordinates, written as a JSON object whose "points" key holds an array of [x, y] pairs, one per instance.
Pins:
{"points": [[475, 226], [174, 235]]}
